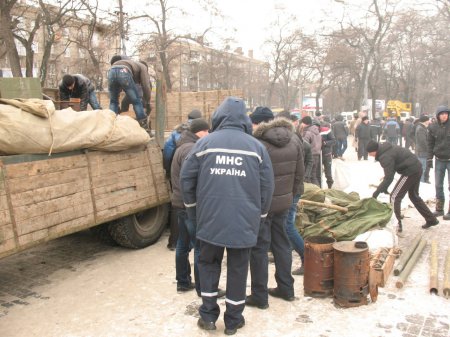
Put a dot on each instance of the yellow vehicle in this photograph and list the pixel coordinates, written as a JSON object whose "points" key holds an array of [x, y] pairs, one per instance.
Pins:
{"points": [[397, 109]]}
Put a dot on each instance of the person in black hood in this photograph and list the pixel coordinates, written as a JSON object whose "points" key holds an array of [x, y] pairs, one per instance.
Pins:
{"points": [[227, 185], [286, 154], [394, 159], [439, 147]]}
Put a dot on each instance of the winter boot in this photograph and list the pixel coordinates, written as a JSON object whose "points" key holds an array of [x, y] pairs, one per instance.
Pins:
{"points": [[447, 216], [439, 207], [143, 123]]}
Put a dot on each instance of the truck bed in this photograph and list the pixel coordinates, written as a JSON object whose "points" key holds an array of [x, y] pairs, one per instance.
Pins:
{"points": [[43, 198]]}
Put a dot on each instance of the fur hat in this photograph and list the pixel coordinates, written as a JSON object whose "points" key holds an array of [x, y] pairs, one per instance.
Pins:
{"points": [[261, 114], [198, 124], [372, 146]]}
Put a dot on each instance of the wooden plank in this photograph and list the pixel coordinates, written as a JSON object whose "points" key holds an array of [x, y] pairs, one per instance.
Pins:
{"points": [[26, 239], [126, 209], [3, 202], [8, 245], [83, 222], [54, 178], [6, 233], [118, 166], [51, 206], [106, 180], [5, 217], [48, 193], [117, 187], [99, 157], [42, 167], [127, 196], [51, 219]]}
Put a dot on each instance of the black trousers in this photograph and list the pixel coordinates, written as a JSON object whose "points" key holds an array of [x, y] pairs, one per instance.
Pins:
{"points": [[316, 170], [272, 234], [209, 267], [362, 152], [326, 162], [411, 185]]}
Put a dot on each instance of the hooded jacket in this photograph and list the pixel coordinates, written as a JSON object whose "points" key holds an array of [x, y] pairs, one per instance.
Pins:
{"points": [[184, 145], [286, 153], [81, 90], [439, 139], [227, 180], [140, 76], [310, 133], [340, 130], [394, 159]]}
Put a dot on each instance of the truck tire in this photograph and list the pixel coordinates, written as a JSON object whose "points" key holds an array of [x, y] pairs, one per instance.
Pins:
{"points": [[141, 229], [103, 234]]}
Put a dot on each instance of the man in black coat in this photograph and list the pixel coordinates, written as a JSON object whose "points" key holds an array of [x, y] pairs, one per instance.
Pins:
{"points": [[394, 159], [78, 86]]}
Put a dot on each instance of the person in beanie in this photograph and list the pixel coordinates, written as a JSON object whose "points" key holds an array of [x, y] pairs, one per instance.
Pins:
{"points": [[169, 148], [186, 228], [394, 159], [227, 186], [286, 154], [78, 86], [261, 114], [310, 133], [439, 148], [421, 147]]}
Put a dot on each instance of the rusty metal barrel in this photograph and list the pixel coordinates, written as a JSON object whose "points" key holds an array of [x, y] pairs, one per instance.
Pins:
{"points": [[351, 273], [318, 278]]}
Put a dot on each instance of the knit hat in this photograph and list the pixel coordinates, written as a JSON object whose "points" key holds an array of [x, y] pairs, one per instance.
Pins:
{"points": [[261, 114], [68, 80], [424, 118], [194, 114], [198, 124], [307, 120], [372, 146]]}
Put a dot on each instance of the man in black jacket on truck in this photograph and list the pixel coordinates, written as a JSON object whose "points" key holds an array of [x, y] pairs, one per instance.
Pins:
{"points": [[78, 86], [227, 185], [394, 159]]}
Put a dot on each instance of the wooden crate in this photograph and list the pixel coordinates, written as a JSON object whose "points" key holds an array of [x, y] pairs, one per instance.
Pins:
{"points": [[381, 274]]}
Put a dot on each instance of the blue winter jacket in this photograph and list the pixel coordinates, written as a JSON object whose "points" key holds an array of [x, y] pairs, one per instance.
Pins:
{"points": [[227, 179]]}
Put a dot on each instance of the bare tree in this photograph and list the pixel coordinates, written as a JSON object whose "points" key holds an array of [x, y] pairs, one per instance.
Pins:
{"points": [[7, 37]]}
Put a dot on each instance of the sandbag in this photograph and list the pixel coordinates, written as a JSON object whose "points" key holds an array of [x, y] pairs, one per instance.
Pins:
{"points": [[22, 130]]}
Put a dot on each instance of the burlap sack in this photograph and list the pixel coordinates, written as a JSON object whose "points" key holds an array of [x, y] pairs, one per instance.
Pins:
{"points": [[23, 131]]}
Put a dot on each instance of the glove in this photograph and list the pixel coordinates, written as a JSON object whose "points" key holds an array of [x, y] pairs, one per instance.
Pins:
{"points": [[429, 164]]}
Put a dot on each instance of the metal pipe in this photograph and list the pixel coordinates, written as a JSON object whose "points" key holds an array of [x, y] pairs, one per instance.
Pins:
{"points": [[434, 282], [410, 264], [406, 255], [447, 275]]}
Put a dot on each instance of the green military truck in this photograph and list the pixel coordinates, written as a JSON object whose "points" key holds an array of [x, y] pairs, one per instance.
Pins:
{"points": [[123, 196]]}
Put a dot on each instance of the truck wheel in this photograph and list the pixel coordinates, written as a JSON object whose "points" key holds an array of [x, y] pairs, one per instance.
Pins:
{"points": [[103, 234], [141, 229]]}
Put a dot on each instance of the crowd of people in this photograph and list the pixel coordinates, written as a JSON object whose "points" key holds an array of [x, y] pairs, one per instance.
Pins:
{"points": [[236, 184]]}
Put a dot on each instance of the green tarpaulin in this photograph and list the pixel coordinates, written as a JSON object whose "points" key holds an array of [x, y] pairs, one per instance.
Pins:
{"points": [[362, 215]]}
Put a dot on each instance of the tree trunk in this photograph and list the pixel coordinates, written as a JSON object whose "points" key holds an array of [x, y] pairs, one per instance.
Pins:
{"points": [[7, 36]]}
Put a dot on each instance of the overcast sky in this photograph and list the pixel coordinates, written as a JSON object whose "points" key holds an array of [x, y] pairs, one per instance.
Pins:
{"points": [[248, 21]]}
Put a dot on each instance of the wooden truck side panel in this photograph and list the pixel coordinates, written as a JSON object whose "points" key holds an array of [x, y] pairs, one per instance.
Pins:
{"points": [[43, 199]]}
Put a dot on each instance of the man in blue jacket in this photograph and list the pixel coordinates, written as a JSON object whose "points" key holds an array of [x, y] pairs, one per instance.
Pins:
{"points": [[227, 185]]}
